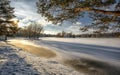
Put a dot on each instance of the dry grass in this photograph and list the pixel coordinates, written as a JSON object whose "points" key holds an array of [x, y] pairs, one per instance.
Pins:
{"points": [[39, 51]]}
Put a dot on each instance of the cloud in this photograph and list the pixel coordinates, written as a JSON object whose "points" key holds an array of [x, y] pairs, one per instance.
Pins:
{"points": [[50, 32], [78, 23], [25, 8], [43, 22], [24, 21]]}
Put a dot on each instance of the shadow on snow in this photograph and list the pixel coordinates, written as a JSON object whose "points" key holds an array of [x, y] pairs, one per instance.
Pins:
{"points": [[12, 64]]}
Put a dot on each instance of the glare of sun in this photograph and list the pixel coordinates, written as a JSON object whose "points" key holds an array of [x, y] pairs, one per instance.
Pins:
{"points": [[15, 22]]}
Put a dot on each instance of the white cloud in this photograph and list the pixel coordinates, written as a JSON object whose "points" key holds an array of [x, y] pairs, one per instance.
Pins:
{"points": [[74, 27], [24, 22], [78, 23], [50, 32], [43, 22]]}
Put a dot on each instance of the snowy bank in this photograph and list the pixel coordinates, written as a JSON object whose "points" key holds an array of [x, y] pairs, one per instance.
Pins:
{"points": [[15, 61], [87, 59]]}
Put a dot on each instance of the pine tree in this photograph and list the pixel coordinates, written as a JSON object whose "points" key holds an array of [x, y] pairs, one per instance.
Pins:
{"points": [[6, 14], [104, 14]]}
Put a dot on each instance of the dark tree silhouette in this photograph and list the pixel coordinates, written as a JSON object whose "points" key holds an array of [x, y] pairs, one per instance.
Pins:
{"points": [[7, 26], [103, 12]]}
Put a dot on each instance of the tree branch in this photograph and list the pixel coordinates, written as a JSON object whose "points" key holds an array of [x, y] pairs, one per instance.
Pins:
{"points": [[116, 13]]}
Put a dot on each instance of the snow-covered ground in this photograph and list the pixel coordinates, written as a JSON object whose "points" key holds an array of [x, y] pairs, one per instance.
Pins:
{"points": [[105, 50], [102, 49], [15, 61], [97, 55], [108, 48]]}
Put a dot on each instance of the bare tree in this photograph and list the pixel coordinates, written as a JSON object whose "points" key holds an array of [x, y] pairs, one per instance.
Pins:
{"points": [[32, 31]]}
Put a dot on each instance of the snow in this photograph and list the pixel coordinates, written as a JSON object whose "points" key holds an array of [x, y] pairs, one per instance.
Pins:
{"points": [[112, 42], [103, 49], [15, 61]]}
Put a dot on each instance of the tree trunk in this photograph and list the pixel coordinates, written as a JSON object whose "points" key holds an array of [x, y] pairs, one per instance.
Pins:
{"points": [[5, 37]]}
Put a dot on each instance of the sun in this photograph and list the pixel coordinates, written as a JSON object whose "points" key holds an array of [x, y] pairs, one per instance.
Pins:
{"points": [[15, 22]]}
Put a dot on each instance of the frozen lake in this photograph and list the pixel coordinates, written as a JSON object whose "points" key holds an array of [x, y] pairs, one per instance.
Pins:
{"points": [[103, 48]]}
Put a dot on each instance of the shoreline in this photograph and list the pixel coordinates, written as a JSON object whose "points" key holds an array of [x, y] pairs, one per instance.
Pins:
{"points": [[33, 49], [90, 67]]}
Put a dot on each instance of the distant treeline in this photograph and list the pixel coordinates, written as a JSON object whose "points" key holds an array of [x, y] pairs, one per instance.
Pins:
{"points": [[32, 35], [94, 35]]}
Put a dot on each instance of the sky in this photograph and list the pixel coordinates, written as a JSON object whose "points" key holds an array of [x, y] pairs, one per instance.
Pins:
{"points": [[26, 12]]}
